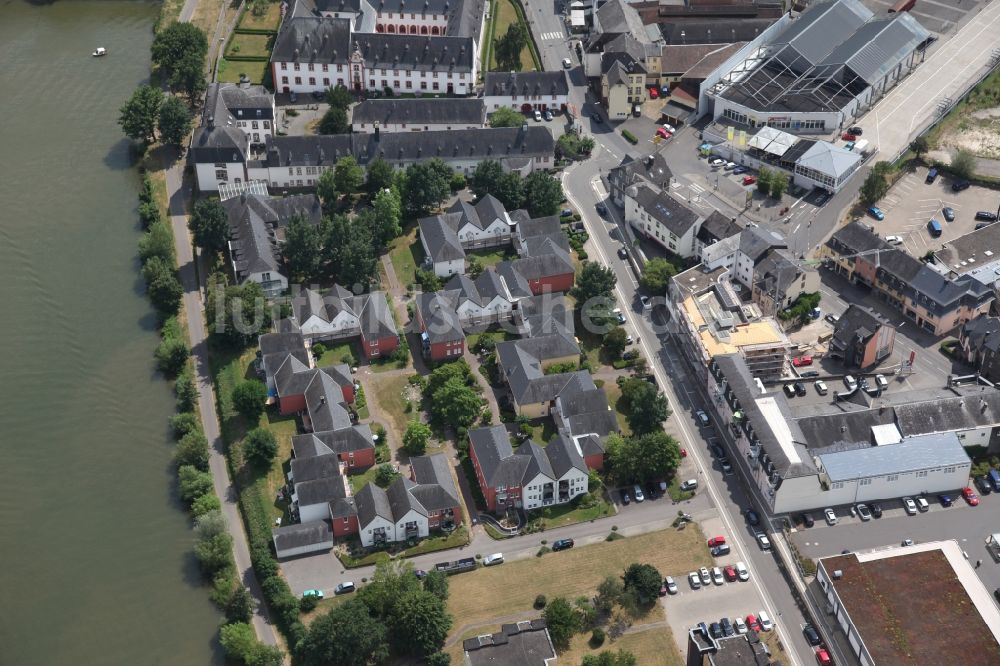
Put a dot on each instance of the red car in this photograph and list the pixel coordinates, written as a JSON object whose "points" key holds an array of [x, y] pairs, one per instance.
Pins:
{"points": [[730, 573], [654, 93], [823, 657], [802, 360], [752, 622], [847, 136], [716, 541], [970, 496], [684, 453], [663, 133], [749, 180]]}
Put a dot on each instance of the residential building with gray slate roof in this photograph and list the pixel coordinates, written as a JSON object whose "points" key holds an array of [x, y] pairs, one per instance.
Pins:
{"points": [[979, 342], [338, 314], [652, 169], [412, 115], [530, 477], [247, 107], [526, 91], [521, 644], [862, 338], [219, 154], [662, 218]]}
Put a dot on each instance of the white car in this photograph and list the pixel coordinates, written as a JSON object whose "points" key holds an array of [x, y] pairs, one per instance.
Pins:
{"points": [[344, 588], [850, 382], [694, 580], [821, 387], [864, 513], [895, 240], [490, 560], [567, 63], [670, 128], [740, 625], [716, 162], [538, 116], [671, 585], [717, 576], [730, 166], [706, 578], [831, 517], [637, 493], [765, 621], [910, 506], [742, 572], [922, 504], [690, 484], [765, 543]]}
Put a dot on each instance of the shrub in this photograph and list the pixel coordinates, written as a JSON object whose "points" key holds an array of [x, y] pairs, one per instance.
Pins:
{"points": [[308, 604], [192, 450], [597, 637], [204, 504], [249, 397], [260, 447], [630, 137], [186, 392], [183, 423], [193, 483], [540, 601]]}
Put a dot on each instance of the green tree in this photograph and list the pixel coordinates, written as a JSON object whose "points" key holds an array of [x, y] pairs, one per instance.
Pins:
{"points": [[644, 581], [238, 640], [441, 375], [183, 423], [653, 456], [162, 286], [302, 249], [456, 404], [656, 275], [391, 582], [140, 114], [594, 282], [347, 635], [326, 189], [174, 121], [158, 241], [764, 180], [249, 397], [213, 545], [436, 582], [609, 593], [204, 504], [380, 175], [175, 44], [416, 437], [920, 145], [609, 658], [647, 406], [186, 391], [426, 185], [875, 186], [508, 48], [193, 483], [339, 97], [963, 164], [209, 225], [486, 178], [149, 214], [385, 474], [419, 623], [260, 447], [438, 659], [388, 211], [358, 260], [779, 183], [240, 606], [192, 449], [474, 267], [511, 191], [614, 343], [542, 194], [236, 316], [189, 76], [562, 621], [334, 121], [506, 117], [572, 146], [348, 176], [265, 655]]}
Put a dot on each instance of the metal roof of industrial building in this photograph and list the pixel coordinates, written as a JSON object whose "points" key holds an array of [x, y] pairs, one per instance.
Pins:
{"points": [[773, 141], [910, 455]]}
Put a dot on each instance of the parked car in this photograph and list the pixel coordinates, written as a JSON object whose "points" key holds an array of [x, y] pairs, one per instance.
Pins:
{"points": [[740, 625], [856, 131], [931, 176], [663, 589], [983, 484], [538, 116], [717, 451], [654, 93], [690, 484], [646, 303], [702, 417], [894, 240], [934, 227], [742, 572], [877, 213], [717, 576], [910, 506], [800, 388], [863, 513], [715, 630], [876, 510], [694, 580], [625, 498], [562, 544], [727, 627], [960, 185], [986, 216], [752, 622], [831, 517], [619, 317], [716, 161], [662, 133], [601, 209], [740, 169], [809, 373], [706, 577], [945, 500], [982, 225], [821, 387], [622, 253], [752, 516], [637, 493], [729, 572], [727, 467], [812, 636], [850, 382], [807, 520], [671, 585], [494, 559], [763, 541], [313, 593], [823, 657], [720, 550], [730, 166], [800, 361], [344, 588], [832, 318], [596, 117], [922, 504], [789, 390], [949, 213], [566, 212], [749, 180], [765, 621], [847, 136], [716, 541], [970, 497], [906, 542], [567, 63], [670, 128]]}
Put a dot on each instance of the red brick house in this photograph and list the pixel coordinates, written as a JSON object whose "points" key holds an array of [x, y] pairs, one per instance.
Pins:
{"points": [[288, 369], [338, 314], [436, 490], [441, 334]]}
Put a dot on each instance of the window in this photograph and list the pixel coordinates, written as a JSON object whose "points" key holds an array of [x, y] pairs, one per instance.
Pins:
{"points": [[949, 470], [326, 81], [921, 474], [254, 125], [298, 80], [295, 67], [326, 68], [838, 485], [437, 86], [221, 174], [340, 68], [298, 171], [284, 79], [423, 85], [373, 83], [312, 80], [267, 124], [865, 482]]}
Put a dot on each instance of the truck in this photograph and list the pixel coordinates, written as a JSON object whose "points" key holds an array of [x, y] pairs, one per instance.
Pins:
{"points": [[994, 477], [457, 566], [861, 146]]}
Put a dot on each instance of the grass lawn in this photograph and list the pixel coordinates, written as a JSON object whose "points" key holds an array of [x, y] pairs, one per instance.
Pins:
{"points": [[250, 45], [560, 516], [432, 544], [206, 15], [358, 481], [269, 21], [170, 10], [777, 649], [334, 353], [675, 492], [472, 339], [512, 588], [614, 394], [229, 71], [654, 646], [406, 254], [504, 17], [492, 257], [388, 395], [983, 96]]}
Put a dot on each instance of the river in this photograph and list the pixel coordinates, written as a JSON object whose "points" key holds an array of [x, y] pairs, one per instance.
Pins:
{"points": [[95, 551]]}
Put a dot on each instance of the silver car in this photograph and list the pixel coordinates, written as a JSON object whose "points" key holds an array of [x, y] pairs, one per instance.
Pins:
{"points": [[717, 576], [671, 585], [864, 513], [706, 578], [694, 580], [910, 506], [831, 517]]}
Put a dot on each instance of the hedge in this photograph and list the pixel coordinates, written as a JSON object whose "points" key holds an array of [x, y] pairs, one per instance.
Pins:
{"points": [[255, 31], [243, 58], [629, 137]]}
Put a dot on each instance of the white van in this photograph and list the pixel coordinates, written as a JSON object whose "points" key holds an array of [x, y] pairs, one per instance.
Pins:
{"points": [[490, 560], [344, 588], [765, 621], [881, 382]]}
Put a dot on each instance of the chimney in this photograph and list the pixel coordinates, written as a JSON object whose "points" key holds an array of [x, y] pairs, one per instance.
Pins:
{"points": [[244, 81]]}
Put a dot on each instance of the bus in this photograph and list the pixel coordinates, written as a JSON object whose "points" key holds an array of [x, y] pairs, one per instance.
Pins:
{"points": [[902, 6]]}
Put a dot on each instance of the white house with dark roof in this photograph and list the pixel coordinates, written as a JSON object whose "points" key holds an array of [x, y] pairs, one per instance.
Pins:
{"points": [[219, 154], [526, 91], [446, 237], [417, 115], [257, 230], [338, 314], [661, 218], [249, 108]]}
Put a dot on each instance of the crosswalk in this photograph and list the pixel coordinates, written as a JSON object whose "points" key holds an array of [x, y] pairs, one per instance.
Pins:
{"points": [[552, 35]]}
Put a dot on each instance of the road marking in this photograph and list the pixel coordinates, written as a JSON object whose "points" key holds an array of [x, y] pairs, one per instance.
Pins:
{"points": [[552, 35], [695, 187]]}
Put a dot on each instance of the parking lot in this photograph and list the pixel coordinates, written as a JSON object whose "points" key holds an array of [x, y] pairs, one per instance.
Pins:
{"points": [[936, 16], [912, 202]]}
